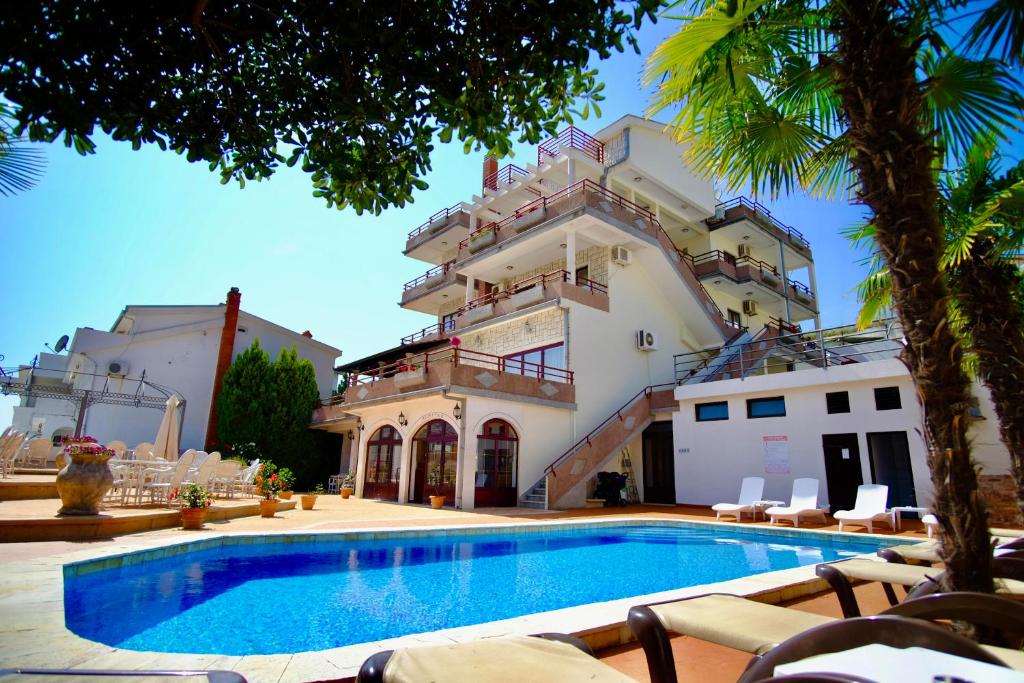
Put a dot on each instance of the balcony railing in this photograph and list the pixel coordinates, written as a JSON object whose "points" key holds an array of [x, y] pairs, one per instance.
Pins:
{"points": [[528, 284], [433, 272], [772, 351], [435, 330], [741, 269], [456, 356], [801, 292], [586, 193], [505, 175], [741, 207], [571, 137], [438, 220]]}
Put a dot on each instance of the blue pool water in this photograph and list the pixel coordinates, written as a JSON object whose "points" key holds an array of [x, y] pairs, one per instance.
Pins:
{"points": [[279, 597]]}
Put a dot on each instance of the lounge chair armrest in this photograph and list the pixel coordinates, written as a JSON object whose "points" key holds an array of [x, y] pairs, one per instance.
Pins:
{"points": [[654, 639]]}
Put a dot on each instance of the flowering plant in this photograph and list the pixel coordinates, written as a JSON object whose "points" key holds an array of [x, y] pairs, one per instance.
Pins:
{"points": [[84, 445], [287, 478], [455, 341], [349, 482], [192, 496], [267, 481]]}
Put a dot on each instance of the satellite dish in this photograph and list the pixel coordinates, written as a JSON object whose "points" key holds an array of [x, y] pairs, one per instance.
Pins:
{"points": [[61, 344]]}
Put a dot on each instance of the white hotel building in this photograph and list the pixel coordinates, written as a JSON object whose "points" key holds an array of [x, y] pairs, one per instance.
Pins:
{"points": [[600, 310]]}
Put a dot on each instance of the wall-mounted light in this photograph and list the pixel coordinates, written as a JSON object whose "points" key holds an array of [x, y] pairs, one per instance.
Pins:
{"points": [[360, 425], [402, 419], [457, 411], [351, 435]]}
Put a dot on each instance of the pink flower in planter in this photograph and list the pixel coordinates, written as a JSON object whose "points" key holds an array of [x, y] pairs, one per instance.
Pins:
{"points": [[455, 341]]}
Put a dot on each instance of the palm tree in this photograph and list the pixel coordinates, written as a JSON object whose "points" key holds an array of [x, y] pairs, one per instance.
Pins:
{"points": [[860, 94], [982, 214], [21, 165]]}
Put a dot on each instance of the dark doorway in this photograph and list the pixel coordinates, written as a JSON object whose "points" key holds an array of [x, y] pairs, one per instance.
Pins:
{"points": [[497, 462], [842, 469], [659, 464], [890, 465], [435, 451], [383, 464]]}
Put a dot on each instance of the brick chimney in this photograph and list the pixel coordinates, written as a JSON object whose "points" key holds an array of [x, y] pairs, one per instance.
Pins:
{"points": [[490, 168], [227, 347]]}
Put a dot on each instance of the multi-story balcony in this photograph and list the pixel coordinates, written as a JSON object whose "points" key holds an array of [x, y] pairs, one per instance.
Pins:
{"points": [[802, 294], [531, 292], [451, 369], [730, 215], [434, 288], [438, 235], [740, 270]]}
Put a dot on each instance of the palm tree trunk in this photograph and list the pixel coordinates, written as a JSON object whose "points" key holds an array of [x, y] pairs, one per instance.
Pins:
{"points": [[986, 289], [876, 74]]}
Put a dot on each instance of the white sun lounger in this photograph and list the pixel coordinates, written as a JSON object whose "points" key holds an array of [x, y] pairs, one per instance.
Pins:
{"points": [[869, 508], [751, 491], [803, 503]]}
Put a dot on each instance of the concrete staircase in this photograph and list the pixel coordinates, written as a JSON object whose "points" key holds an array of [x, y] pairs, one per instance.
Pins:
{"points": [[565, 479]]}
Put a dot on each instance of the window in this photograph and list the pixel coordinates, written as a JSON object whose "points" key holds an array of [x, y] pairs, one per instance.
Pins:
{"points": [[709, 412], [583, 272], [734, 318], [530, 363], [837, 402], [448, 322], [887, 398], [766, 407]]}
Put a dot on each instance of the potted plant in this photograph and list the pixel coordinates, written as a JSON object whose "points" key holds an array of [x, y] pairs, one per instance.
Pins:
{"points": [[194, 502], [434, 479], [309, 499], [85, 478], [287, 482], [348, 485], [268, 483]]}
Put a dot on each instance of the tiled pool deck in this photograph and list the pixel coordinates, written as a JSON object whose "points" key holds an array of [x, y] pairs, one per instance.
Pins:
{"points": [[32, 631]]}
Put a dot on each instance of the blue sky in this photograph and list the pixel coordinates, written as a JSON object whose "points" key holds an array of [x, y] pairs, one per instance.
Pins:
{"points": [[123, 227]]}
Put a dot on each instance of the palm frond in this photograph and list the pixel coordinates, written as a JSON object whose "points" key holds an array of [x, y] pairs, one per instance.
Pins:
{"points": [[1000, 31]]}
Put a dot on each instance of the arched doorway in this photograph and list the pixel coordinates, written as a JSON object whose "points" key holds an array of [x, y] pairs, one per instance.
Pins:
{"points": [[497, 465], [383, 464], [435, 462]]}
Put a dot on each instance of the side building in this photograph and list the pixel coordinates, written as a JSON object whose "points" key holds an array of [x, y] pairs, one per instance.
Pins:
{"points": [[124, 374]]}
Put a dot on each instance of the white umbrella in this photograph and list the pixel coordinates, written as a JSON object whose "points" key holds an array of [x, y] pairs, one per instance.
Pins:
{"points": [[165, 445]]}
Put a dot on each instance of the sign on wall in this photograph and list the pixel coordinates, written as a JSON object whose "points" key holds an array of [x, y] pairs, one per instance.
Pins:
{"points": [[776, 454]]}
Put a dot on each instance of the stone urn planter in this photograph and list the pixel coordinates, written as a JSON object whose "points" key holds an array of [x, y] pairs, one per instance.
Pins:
{"points": [[84, 480], [268, 508], [192, 518], [437, 502]]}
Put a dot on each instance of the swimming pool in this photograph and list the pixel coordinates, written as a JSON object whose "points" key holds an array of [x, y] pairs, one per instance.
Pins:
{"points": [[281, 596]]}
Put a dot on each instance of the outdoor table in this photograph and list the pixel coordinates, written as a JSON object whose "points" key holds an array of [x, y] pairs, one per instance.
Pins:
{"points": [[762, 505], [885, 664], [900, 509]]}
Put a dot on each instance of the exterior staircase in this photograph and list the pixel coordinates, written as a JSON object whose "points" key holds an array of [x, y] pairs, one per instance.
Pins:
{"points": [[581, 461]]}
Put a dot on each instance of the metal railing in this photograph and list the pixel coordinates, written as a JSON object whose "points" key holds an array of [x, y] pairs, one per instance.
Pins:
{"points": [[581, 189], [571, 137], [616, 415], [718, 255], [505, 175], [771, 351], [529, 283], [801, 288], [437, 218], [428, 331], [436, 270], [456, 356], [759, 213]]}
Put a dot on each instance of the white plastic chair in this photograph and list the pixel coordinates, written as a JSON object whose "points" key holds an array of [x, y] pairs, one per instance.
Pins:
{"points": [[751, 491], [868, 509], [143, 451], [38, 452], [9, 447], [803, 503], [119, 448], [225, 477]]}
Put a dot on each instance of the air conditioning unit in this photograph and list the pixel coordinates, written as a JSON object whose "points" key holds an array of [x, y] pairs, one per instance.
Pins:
{"points": [[749, 307], [646, 340], [743, 250], [117, 368], [622, 256]]}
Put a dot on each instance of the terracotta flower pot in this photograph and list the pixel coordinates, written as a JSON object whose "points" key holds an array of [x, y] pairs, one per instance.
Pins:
{"points": [[83, 482], [437, 502], [268, 508], [192, 518], [308, 502], [346, 491], [287, 495]]}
